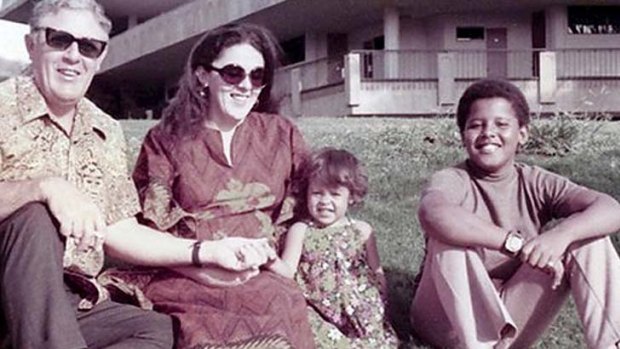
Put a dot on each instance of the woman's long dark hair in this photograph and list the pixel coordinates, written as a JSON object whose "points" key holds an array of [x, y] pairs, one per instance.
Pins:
{"points": [[189, 107]]}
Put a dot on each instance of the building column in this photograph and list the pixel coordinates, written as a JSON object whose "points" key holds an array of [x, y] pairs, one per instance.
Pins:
{"points": [[296, 88], [315, 47], [556, 26], [352, 80], [391, 34], [547, 81], [446, 73]]}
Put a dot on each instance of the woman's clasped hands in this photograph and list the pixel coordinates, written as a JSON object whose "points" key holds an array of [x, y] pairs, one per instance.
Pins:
{"points": [[233, 260], [238, 253]]}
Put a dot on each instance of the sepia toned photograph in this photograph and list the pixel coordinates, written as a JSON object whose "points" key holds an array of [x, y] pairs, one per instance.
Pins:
{"points": [[301, 174]]}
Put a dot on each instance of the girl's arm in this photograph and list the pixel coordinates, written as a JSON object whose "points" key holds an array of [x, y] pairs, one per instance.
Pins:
{"points": [[287, 264], [138, 244], [372, 254]]}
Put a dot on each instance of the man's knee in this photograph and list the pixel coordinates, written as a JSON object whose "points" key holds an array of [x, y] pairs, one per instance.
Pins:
{"points": [[32, 214], [30, 228]]}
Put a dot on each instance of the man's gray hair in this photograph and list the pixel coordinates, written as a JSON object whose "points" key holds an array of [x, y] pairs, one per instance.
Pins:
{"points": [[45, 7]]}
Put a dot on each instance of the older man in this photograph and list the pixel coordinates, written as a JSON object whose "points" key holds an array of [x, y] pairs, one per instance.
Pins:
{"points": [[66, 190]]}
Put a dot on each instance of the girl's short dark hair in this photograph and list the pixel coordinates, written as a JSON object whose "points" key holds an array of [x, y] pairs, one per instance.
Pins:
{"points": [[492, 88], [330, 167]]}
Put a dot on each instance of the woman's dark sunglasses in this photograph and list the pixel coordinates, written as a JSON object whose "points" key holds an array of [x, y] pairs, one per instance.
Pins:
{"points": [[61, 40], [234, 74]]}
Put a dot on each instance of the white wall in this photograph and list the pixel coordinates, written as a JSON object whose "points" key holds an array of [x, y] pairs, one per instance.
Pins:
{"points": [[13, 55]]}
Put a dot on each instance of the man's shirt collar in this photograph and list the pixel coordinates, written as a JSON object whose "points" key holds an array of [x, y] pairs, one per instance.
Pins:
{"points": [[32, 105]]}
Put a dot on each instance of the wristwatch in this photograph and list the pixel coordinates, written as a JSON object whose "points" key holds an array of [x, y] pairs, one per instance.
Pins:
{"points": [[196, 254], [513, 243]]}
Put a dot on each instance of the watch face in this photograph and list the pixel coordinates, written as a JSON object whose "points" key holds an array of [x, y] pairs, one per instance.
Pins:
{"points": [[514, 243]]}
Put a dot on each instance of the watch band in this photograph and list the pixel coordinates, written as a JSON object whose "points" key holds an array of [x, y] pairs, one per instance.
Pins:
{"points": [[196, 254]]}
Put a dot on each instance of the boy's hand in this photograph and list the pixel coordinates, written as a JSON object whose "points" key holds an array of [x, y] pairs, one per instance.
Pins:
{"points": [[544, 249], [546, 252], [557, 270]]}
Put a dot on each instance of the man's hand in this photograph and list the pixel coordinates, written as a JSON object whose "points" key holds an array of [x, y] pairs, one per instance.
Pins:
{"points": [[236, 253], [78, 216]]}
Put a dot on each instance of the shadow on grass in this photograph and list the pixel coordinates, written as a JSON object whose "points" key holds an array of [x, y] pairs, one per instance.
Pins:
{"points": [[401, 288]]}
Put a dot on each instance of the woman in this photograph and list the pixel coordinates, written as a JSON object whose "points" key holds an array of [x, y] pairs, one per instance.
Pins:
{"points": [[218, 166]]}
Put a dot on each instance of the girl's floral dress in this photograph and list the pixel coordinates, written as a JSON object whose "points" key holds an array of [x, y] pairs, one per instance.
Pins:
{"points": [[346, 307]]}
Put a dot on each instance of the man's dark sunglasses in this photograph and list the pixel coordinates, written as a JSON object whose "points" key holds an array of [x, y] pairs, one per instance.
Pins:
{"points": [[61, 40], [234, 74]]}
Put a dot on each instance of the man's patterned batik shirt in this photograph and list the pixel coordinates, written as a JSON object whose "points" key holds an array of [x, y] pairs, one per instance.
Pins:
{"points": [[92, 157]]}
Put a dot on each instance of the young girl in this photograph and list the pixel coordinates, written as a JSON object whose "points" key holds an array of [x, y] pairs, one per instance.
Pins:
{"points": [[334, 258]]}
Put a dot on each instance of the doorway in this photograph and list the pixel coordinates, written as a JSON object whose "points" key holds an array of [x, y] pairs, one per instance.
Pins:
{"points": [[497, 54], [337, 47]]}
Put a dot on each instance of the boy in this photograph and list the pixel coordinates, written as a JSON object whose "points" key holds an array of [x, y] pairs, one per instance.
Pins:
{"points": [[492, 278]]}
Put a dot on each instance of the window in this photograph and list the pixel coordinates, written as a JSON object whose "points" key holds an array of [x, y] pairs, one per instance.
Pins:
{"points": [[469, 33], [376, 43], [294, 49], [594, 19]]}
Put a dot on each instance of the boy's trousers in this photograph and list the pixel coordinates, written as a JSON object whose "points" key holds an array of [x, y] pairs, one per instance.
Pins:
{"points": [[458, 305]]}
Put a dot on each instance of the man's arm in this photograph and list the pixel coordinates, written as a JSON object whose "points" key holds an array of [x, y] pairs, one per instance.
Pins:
{"points": [[77, 215], [16, 194], [217, 277], [138, 244]]}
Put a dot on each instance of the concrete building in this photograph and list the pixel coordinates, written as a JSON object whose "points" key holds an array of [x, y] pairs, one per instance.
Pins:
{"points": [[374, 57]]}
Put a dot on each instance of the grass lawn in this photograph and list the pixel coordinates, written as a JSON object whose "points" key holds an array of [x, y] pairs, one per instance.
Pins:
{"points": [[402, 153]]}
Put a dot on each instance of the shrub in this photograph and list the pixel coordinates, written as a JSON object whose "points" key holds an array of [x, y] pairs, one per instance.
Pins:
{"points": [[564, 133]]}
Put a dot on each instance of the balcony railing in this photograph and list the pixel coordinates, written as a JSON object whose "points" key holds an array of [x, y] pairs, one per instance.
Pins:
{"points": [[420, 65], [313, 74], [590, 63]]}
